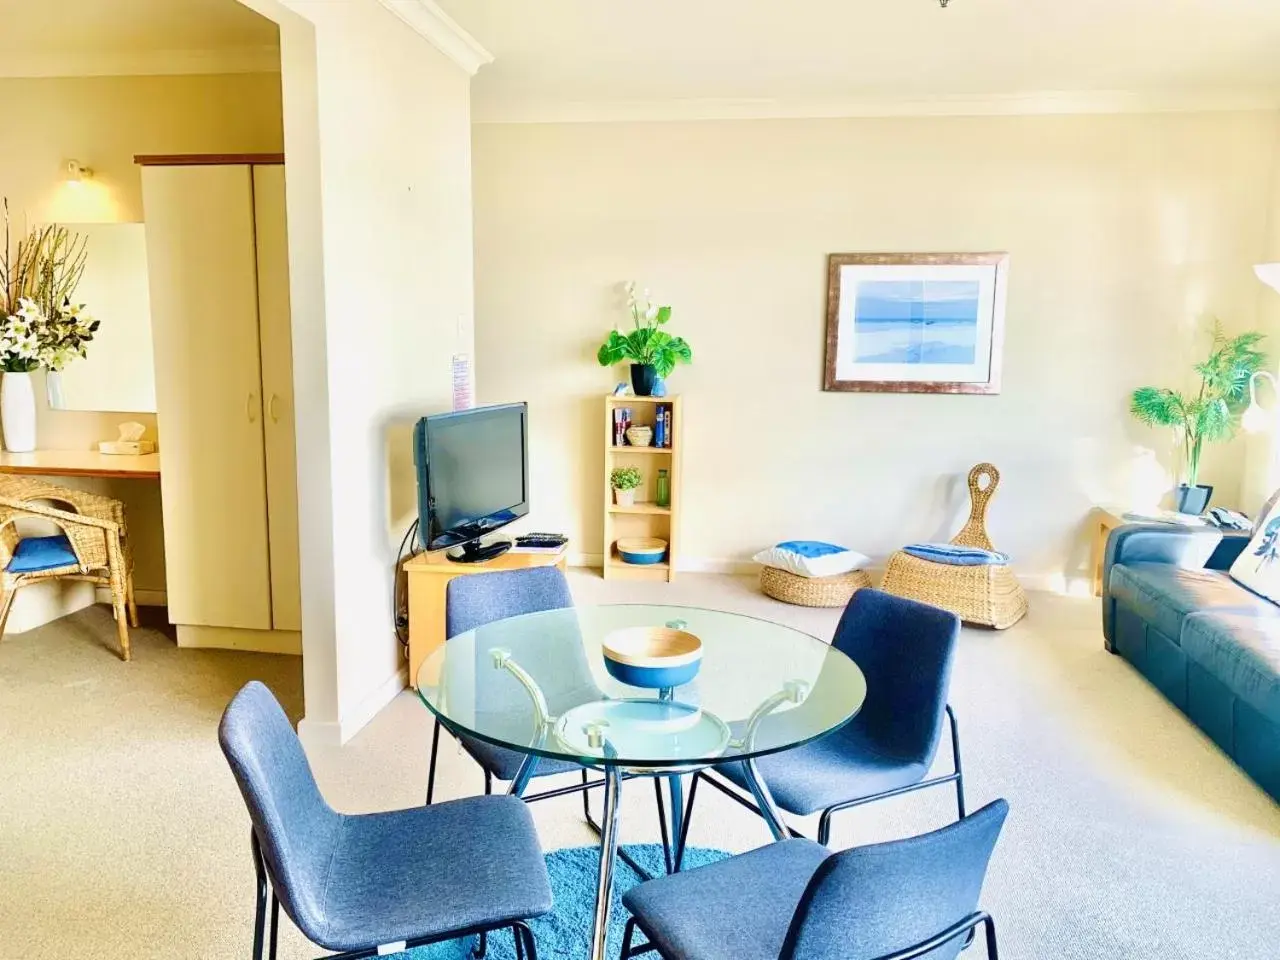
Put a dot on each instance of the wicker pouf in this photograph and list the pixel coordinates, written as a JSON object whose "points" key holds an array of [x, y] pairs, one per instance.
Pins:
{"points": [[812, 591]]}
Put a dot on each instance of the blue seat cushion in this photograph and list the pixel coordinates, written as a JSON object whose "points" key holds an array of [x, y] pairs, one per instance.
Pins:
{"points": [[737, 909], [504, 763], [430, 870], [843, 766], [1164, 595], [34, 554], [1242, 650]]}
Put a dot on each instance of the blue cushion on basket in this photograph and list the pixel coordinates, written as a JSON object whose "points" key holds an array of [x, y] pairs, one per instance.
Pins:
{"points": [[34, 554], [957, 556]]}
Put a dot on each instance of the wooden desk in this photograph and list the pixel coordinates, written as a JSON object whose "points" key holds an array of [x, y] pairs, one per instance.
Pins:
{"points": [[429, 575], [81, 463]]}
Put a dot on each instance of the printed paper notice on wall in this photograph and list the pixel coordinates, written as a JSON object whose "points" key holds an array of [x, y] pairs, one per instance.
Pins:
{"points": [[463, 388]]}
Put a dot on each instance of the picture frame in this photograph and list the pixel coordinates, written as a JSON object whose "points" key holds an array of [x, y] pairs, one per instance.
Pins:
{"points": [[915, 322]]}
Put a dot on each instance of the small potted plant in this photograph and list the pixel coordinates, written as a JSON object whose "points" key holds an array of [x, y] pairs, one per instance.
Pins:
{"points": [[624, 481], [1210, 414], [652, 351]]}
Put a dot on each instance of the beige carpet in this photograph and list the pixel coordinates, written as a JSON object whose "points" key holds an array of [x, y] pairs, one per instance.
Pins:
{"points": [[122, 834]]}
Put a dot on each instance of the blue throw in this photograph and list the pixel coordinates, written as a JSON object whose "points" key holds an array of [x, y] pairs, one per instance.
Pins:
{"points": [[957, 556]]}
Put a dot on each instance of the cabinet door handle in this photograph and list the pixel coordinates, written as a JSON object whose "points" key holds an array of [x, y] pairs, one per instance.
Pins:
{"points": [[273, 408], [251, 407]]}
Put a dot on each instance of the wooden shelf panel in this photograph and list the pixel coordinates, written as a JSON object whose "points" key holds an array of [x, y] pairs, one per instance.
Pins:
{"points": [[614, 448], [652, 509], [667, 399]]}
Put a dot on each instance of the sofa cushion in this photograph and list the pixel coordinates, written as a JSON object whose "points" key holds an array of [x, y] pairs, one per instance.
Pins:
{"points": [[1242, 649], [1163, 595]]}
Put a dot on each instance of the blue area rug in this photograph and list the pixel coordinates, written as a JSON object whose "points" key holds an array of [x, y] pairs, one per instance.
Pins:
{"points": [[565, 933]]}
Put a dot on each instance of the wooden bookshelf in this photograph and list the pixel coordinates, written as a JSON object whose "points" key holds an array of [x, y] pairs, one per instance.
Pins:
{"points": [[645, 518]]}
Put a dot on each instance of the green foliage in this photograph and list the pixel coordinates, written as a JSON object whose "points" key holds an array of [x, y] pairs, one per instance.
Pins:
{"points": [[1213, 413], [647, 342], [625, 478]]}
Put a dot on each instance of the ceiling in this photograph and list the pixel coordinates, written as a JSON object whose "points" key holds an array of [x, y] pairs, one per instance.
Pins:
{"points": [[48, 36], [554, 56]]}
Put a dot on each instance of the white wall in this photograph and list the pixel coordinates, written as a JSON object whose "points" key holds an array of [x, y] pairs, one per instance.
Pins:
{"points": [[377, 145], [1125, 232], [1262, 470]]}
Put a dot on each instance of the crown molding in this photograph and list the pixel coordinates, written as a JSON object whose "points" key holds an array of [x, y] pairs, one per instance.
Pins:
{"points": [[1026, 104], [428, 20], [36, 64]]}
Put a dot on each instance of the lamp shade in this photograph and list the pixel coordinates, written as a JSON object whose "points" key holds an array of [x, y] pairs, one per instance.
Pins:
{"points": [[1269, 273]]}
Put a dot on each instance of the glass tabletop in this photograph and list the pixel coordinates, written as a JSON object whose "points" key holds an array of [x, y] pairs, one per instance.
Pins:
{"points": [[542, 684]]}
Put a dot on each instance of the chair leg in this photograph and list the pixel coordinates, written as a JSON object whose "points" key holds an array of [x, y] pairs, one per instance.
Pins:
{"points": [[132, 601], [824, 827], [431, 769], [482, 946], [955, 756], [10, 591], [119, 608], [488, 783], [518, 938], [260, 905], [275, 926], [627, 934], [992, 952], [523, 932]]}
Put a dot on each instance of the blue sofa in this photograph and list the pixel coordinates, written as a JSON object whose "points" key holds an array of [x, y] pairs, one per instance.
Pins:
{"points": [[1208, 644]]}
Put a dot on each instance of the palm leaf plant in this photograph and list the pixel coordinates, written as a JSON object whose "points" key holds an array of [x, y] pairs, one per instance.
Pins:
{"points": [[1212, 412], [646, 344]]}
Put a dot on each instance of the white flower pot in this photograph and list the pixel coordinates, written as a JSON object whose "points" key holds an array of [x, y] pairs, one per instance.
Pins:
{"points": [[18, 412], [624, 498]]}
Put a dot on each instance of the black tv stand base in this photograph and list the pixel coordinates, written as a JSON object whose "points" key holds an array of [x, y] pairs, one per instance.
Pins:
{"points": [[477, 552]]}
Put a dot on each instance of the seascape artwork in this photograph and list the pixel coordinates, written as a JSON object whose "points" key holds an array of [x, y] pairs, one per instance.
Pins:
{"points": [[915, 323]]}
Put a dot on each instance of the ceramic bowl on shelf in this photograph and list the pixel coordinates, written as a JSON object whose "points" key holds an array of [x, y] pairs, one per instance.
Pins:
{"points": [[639, 436], [652, 657], [642, 550]]}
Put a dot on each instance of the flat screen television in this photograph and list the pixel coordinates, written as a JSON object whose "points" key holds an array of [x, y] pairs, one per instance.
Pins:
{"points": [[473, 478]]}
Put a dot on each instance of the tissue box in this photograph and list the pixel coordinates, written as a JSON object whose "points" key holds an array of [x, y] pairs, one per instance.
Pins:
{"points": [[127, 447]]}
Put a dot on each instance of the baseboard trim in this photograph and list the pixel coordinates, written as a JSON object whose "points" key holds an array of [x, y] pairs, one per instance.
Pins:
{"points": [[229, 638], [143, 598], [372, 705]]}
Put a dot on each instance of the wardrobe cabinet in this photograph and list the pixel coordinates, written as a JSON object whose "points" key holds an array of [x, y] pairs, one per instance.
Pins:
{"points": [[218, 262]]}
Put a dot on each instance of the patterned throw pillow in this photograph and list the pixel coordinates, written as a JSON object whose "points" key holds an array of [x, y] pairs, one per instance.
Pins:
{"points": [[812, 558], [1258, 567]]}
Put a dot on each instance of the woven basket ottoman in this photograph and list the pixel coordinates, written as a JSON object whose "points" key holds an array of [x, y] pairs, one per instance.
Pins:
{"points": [[988, 596], [812, 591]]}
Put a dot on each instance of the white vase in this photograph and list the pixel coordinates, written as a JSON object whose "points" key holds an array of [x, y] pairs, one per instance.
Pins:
{"points": [[624, 498], [18, 412]]}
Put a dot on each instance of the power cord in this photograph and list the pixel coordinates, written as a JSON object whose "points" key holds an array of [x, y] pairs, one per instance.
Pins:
{"points": [[400, 587]]}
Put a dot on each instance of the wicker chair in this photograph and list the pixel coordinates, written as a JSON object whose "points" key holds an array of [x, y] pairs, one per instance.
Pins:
{"points": [[92, 546], [989, 596]]}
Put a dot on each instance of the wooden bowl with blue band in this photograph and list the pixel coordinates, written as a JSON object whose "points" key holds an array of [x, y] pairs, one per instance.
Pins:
{"points": [[652, 657]]}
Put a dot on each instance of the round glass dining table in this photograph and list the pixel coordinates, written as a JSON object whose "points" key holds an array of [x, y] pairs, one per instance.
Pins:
{"points": [[538, 684]]}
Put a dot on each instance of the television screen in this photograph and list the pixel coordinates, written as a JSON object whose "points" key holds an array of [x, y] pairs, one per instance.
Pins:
{"points": [[472, 473]]}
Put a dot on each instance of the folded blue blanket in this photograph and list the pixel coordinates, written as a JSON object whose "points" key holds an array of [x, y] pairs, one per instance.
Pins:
{"points": [[955, 555]]}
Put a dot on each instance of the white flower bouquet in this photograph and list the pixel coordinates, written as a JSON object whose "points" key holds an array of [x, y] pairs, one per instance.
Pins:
{"points": [[40, 325]]}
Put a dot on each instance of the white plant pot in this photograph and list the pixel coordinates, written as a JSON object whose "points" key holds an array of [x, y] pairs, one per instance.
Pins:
{"points": [[18, 412], [624, 498]]}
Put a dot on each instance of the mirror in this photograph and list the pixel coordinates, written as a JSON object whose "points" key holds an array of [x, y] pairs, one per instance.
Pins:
{"points": [[118, 374]]}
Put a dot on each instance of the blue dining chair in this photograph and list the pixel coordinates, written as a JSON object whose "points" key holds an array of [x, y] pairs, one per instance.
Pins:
{"points": [[796, 900], [904, 649], [375, 883]]}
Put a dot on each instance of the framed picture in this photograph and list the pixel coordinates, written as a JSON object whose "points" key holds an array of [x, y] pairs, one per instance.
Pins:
{"points": [[915, 322]]}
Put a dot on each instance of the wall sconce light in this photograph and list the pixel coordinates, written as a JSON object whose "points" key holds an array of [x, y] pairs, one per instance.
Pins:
{"points": [[77, 172], [1269, 273]]}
